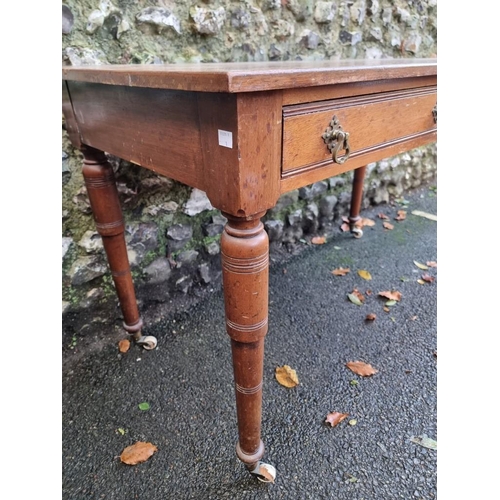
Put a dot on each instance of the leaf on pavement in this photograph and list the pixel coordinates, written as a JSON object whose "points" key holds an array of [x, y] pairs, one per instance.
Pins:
{"points": [[431, 263], [428, 278], [137, 453], [421, 282], [365, 274], [341, 271], [391, 295], [371, 317], [382, 216], [366, 222], [335, 418], [420, 266], [144, 406], [287, 376], [124, 345], [318, 240], [361, 368], [345, 227], [401, 215], [391, 303], [424, 441], [425, 214], [388, 225], [356, 297]]}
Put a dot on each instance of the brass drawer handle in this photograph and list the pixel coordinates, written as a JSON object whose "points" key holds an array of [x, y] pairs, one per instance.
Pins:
{"points": [[337, 140]]}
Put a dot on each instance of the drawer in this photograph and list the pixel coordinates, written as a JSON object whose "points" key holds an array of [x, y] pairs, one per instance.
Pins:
{"points": [[375, 123]]}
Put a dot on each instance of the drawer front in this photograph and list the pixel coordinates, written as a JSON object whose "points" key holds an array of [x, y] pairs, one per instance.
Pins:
{"points": [[375, 124]]}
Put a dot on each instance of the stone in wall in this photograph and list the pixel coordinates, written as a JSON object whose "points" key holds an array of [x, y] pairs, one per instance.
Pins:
{"points": [[162, 19], [324, 12], [208, 21]]}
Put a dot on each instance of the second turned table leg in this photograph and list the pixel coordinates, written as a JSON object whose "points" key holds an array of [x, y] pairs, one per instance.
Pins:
{"points": [[245, 268], [105, 204], [356, 198]]}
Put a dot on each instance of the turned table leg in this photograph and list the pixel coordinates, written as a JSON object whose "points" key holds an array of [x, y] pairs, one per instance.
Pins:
{"points": [[356, 198], [103, 197], [245, 268]]}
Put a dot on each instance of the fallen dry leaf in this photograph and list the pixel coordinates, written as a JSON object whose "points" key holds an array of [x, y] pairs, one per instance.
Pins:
{"points": [[420, 266], [386, 309], [425, 214], [335, 418], [137, 453], [424, 441], [421, 282], [318, 240], [287, 376], [360, 368], [341, 271], [428, 278], [382, 216], [354, 299], [345, 227], [366, 222], [371, 317], [391, 295], [401, 215], [124, 345], [388, 225], [431, 263], [365, 274], [413, 318]]}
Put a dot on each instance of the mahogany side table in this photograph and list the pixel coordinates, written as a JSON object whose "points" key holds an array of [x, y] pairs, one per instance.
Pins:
{"points": [[244, 133]]}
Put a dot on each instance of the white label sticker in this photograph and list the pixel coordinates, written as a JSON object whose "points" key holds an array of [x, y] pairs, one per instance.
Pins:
{"points": [[226, 139]]}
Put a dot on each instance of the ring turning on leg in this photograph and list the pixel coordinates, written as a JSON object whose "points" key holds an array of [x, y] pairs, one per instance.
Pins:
{"points": [[245, 271]]}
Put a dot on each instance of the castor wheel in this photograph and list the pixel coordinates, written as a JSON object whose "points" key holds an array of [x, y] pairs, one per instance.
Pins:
{"points": [[148, 342], [264, 472], [357, 232]]}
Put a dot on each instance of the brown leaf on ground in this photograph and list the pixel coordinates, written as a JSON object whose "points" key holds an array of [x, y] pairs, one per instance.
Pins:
{"points": [[358, 294], [345, 218], [428, 278], [401, 215], [371, 317], [382, 216], [341, 271], [388, 225], [386, 309], [287, 376], [360, 368], [335, 418], [431, 263], [368, 292], [318, 240], [391, 295], [124, 345], [367, 222], [345, 227], [137, 453]]}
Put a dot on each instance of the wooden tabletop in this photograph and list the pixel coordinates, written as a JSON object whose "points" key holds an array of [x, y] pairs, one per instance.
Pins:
{"points": [[251, 76]]}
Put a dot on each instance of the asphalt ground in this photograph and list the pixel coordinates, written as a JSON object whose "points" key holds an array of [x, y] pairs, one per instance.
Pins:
{"points": [[315, 329]]}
